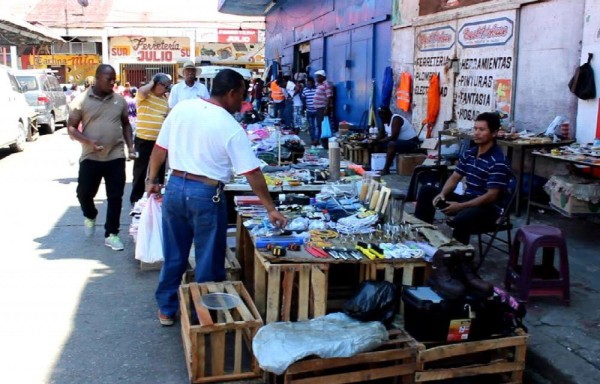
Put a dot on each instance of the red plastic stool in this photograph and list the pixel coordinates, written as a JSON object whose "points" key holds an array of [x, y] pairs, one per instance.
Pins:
{"points": [[541, 279]]}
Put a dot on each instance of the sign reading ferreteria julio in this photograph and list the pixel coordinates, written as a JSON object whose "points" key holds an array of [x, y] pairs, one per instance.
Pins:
{"points": [[435, 45], [486, 62], [149, 49]]}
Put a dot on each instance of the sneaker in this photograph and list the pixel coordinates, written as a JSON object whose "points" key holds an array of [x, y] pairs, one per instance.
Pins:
{"points": [[165, 321], [113, 241], [320, 147], [89, 227]]}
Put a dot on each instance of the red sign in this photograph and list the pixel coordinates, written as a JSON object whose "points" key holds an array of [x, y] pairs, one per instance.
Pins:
{"points": [[238, 35]]}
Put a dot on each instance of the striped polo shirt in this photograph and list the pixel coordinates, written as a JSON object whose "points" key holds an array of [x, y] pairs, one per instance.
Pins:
{"points": [[488, 171], [308, 94], [323, 92], [151, 112]]}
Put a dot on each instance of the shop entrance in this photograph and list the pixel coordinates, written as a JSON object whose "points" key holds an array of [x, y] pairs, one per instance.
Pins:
{"points": [[302, 58], [140, 74]]}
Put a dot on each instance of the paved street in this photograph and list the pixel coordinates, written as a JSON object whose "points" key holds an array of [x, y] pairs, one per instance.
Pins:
{"points": [[73, 310]]}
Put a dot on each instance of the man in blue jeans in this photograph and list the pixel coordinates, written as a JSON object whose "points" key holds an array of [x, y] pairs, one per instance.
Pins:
{"points": [[308, 96], [203, 142], [486, 171]]}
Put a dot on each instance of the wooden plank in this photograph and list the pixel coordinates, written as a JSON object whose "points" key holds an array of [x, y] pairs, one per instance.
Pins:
{"points": [[203, 315], [303, 292], [317, 364], [389, 273], [359, 376], [260, 285], [374, 200], [319, 290], [475, 370], [386, 200], [287, 289], [273, 292], [407, 274], [237, 362], [199, 356], [520, 354], [445, 351], [217, 353], [247, 300]]}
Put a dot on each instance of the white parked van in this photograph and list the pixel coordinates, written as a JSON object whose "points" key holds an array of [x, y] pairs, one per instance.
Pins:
{"points": [[207, 73]]}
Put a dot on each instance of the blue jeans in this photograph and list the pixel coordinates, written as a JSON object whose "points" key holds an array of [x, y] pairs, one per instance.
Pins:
{"points": [[313, 129], [189, 214]]}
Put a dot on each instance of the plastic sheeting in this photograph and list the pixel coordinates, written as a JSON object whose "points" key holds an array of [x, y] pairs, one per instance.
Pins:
{"points": [[278, 345], [580, 188]]}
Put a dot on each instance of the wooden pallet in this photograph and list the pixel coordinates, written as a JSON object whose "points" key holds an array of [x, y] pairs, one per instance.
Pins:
{"points": [[209, 356], [289, 292], [397, 358], [233, 269], [400, 271], [504, 357]]}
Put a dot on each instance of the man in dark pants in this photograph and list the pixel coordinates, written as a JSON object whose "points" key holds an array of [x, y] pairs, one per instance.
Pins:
{"points": [[486, 172], [323, 101], [152, 109], [105, 127]]}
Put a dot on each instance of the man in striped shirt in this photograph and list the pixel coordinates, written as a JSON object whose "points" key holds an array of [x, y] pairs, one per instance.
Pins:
{"points": [[323, 98], [308, 96], [486, 171], [152, 109]]}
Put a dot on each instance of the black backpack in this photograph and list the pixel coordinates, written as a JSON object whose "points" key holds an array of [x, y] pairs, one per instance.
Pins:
{"points": [[582, 83]]}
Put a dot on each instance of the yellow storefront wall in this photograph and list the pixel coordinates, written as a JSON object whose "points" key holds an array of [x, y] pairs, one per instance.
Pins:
{"points": [[76, 67]]}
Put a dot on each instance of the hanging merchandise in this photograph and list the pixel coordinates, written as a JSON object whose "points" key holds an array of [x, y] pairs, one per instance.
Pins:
{"points": [[387, 86], [433, 105], [582, 83], [403, 92]]}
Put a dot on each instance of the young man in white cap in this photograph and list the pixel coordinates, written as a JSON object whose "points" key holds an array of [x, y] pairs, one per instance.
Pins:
{"points": [[323, 100], [189, 88]]}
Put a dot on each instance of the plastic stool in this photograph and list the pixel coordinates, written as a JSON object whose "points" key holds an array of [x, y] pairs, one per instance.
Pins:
{"points": [[544, 279]]}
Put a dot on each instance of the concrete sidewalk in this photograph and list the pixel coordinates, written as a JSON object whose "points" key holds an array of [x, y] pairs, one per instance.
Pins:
{"points": [[564, 344]]}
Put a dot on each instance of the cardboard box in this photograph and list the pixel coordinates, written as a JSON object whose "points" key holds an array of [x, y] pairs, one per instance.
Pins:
{"points": [[408, 163], [570, 205]]}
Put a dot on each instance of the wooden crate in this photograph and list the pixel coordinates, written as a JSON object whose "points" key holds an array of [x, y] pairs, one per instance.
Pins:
{"points": [[504, 357], [233, 269], [216, 343], [397, 358], [289, 292], [400, 271], [357, 155]]}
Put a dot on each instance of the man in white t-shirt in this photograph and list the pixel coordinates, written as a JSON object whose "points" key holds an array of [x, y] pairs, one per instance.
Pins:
{"points": [[203, 143], [189, 88]]}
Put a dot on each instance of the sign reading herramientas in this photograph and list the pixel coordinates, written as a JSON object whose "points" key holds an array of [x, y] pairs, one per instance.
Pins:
{"points": [[486, 64]]}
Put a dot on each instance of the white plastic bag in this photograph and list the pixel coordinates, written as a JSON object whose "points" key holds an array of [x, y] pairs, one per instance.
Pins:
{"points": [[148, 247]]}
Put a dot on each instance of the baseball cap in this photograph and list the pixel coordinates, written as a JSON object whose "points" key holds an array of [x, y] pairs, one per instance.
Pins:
{"points": [[320, 72]]}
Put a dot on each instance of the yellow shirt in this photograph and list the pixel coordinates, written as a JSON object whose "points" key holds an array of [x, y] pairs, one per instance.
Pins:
{"points": [[151, 112]]}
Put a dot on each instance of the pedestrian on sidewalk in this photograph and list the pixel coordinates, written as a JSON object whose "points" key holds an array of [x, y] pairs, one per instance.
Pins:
{"points": [[308, 96], [152, 109], [323, 100], [189, 88], [105, 128], [203, 143]]}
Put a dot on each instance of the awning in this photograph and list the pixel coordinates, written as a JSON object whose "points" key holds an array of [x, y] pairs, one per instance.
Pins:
{"points": [[20, 32], [246, 7]]}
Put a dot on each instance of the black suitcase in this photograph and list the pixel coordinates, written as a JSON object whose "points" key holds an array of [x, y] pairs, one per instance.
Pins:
{"points": [[429, 317]]}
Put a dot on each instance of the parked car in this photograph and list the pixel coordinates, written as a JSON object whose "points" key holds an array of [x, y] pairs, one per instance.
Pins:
{"points": [[44, 93], [14, 110]]}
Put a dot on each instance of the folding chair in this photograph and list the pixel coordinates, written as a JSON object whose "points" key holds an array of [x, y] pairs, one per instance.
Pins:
{"points": [[435, 175], [502, 224]]}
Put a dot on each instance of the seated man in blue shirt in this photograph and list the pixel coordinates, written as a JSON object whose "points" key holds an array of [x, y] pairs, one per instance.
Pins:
{"points": [[486, 171]]}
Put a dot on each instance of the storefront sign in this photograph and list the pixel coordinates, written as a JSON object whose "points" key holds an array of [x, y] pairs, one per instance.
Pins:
{"points": [[435, 39], [149, 49], [238, 35], [43, 61], [486, 64], [238, 54], [435, 47], [486, 33]]}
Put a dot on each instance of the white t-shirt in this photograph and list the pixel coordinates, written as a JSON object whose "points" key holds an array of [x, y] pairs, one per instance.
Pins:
{"points": [[181, 91], [407, 131], [204, 139]]}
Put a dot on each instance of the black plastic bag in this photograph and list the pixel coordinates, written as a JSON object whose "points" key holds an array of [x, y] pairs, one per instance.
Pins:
{"points": [[582, 83], [374, 301]]}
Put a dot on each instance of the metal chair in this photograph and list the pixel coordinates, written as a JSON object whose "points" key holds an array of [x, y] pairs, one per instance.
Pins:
{"points": [[502, 224], [435, 175]]}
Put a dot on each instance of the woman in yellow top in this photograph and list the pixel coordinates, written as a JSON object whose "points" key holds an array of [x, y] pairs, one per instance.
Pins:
{"points": [[152, 109]]}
